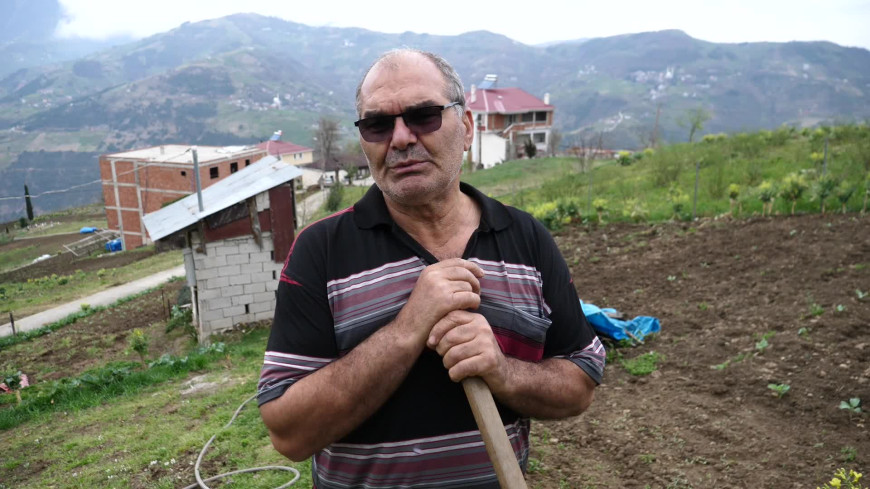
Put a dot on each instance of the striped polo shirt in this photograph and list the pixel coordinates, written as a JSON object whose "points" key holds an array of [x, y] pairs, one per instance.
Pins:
{"points": [[349, 274]]}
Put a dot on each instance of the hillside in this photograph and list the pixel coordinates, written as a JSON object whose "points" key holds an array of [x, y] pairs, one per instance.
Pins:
{"points": [[216, 81]]}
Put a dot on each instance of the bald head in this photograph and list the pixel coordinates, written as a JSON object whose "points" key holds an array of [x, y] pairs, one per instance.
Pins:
{"points": [[453, 89]]}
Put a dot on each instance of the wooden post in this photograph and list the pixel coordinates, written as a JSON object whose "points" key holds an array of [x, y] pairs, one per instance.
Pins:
{"points": [[695, 200], [507, 469], [12, 322]]}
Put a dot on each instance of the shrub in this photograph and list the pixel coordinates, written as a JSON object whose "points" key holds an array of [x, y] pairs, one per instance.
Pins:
{"points": [[182, 317], [333, 199], [823, 189], [793, 188], [138, 342]]}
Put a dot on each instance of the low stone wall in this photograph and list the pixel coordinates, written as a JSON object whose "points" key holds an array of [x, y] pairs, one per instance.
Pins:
{"points": [[236, 282]]}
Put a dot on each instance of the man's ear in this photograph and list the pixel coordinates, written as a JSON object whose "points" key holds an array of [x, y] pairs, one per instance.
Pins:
{"points": [[468, 121]]}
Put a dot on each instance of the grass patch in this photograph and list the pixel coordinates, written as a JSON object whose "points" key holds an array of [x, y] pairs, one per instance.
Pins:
{"points": [[26, 298], [147, 428], [7, 341], [643, 364]]}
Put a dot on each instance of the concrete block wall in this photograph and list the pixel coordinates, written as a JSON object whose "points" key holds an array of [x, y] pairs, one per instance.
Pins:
{"points": [[236, 282]]}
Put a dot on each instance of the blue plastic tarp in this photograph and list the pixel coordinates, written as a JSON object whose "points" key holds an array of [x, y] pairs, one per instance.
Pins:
{"points": [[88, 230], [617, 329]]}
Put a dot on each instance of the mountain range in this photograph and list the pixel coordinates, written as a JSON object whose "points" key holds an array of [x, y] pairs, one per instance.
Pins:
{"points": [[236, 79]]}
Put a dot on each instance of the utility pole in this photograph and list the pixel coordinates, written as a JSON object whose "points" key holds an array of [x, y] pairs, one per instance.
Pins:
{"points": [[196, 178]]}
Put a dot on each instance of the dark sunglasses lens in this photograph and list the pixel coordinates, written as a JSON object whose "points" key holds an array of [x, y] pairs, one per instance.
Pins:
{"points": [[376, 129], [423, 120]]}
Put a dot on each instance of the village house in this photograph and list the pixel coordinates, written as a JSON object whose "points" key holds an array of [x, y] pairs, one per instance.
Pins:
{"points": [[235, 243], [504, 120], [141, 181], [287, 151]]}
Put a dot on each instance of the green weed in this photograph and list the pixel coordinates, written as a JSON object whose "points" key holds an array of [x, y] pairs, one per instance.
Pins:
{"points": [[642, 365]]}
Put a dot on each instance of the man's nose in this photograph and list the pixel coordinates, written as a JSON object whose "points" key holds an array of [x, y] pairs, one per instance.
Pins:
{"points": [[402, 135]]}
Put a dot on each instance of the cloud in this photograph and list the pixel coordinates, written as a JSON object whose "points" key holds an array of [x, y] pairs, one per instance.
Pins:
{"points": [[840, 21]]}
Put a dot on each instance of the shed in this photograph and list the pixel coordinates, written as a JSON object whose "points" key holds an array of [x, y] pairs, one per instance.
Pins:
{"points": [[235, 246]]}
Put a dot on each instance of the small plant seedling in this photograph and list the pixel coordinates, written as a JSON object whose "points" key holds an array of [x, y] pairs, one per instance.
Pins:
{"points": [[816, 310], [861, 294], [853, 405], [642, 365], [671, 278], [702, 306], [840, 308], [849, 453], [779, 389], [647, 458], [804, 333], [761, 344]]}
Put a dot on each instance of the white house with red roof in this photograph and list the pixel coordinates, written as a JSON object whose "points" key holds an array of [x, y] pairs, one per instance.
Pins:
{"points": [[295, 155], [504, 119]]}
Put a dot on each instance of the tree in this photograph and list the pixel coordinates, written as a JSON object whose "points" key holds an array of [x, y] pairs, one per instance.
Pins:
{"points": [[651, 139], [694, 119], [531, 149], [28, 203], [326, 136], [554, 142]]}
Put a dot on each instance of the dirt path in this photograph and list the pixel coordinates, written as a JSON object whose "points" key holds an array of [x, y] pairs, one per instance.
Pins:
{"points": [[103, 298]]}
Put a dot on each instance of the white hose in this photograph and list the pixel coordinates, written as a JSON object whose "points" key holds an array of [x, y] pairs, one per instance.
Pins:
{"points": [[201, 483]]}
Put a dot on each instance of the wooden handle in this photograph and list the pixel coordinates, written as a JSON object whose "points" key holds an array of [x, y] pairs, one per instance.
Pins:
{"points": [[494, 435]]}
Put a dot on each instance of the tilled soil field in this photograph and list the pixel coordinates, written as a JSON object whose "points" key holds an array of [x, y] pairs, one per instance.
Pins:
{"points": [[743, 305]]}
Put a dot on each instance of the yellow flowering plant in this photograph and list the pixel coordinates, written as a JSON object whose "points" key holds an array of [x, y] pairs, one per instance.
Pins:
{"points": [[842, 480]]}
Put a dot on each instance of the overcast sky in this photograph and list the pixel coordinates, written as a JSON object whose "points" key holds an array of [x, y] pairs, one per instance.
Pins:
{"points": [[845, 22]]}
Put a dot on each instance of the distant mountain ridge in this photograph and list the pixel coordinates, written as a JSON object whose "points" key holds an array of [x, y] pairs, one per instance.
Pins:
{"points": [[236, 79]]}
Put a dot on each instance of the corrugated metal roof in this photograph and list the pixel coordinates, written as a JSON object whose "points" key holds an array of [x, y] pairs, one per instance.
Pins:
{"points": [[266, 173]]}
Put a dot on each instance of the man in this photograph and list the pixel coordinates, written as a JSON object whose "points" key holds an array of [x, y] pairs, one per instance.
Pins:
{"points": [[384, 307]]}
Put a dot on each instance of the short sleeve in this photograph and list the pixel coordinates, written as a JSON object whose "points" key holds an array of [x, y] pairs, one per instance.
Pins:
{"points": [[302, 339], [570, 336]]}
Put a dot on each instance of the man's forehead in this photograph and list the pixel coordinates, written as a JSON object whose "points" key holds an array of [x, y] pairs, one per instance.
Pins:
{"points": [[402, 73]]}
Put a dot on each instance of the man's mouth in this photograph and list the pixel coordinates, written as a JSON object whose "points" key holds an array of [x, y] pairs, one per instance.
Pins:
{"points": [[408, 166]]}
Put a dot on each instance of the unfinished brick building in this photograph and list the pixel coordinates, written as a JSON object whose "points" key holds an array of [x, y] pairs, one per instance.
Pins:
{"points": [[141, 181]]}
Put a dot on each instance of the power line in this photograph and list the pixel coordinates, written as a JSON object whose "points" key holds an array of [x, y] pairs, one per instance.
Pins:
{"points": [[52, 192]]}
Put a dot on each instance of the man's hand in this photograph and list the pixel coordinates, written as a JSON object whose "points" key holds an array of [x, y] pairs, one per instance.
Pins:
{"points": [[553, 388], [449, 285], [469, 349]]}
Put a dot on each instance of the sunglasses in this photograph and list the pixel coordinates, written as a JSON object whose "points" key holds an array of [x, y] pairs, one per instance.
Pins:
{"points": [[419, 121]]}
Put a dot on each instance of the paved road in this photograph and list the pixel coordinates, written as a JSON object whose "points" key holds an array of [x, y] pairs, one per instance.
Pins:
{"points": [[103, 298]]}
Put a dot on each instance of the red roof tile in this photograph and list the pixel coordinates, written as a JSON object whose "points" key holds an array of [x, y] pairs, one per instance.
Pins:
{"points": [[282, 148], [505, 101]]}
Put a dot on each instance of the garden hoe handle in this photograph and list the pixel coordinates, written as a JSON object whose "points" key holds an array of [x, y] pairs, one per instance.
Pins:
{"points": [[494, 435]]}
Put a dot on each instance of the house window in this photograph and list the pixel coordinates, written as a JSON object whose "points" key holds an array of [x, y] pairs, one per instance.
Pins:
{"points": [[183, 173], [539, 137], [247, 162], [213, 172], [234, 167], [528, 117], [541, 116]]}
